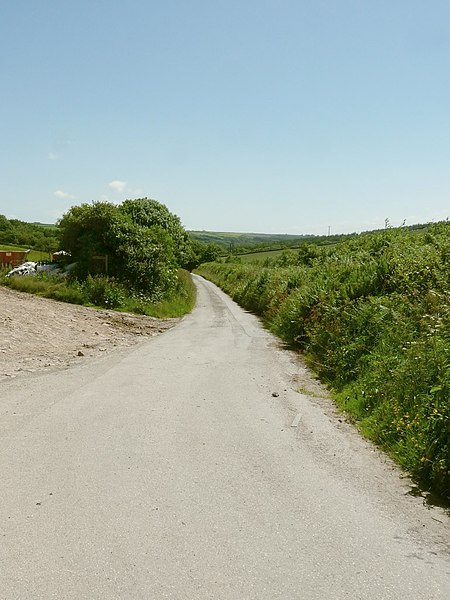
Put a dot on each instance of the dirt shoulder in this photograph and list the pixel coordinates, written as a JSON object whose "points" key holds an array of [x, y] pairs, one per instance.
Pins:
{"points": [[39, 334]]}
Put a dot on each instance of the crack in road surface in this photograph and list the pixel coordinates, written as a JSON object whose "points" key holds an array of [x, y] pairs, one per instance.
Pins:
{"points": [[172, 470]]}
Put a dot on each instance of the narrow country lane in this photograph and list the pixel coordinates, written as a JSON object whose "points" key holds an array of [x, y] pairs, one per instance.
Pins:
{"points": [[189, 468]]}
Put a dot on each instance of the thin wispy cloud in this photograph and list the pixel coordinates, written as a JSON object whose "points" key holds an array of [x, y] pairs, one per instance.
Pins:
{"points": [[52, 156], [63, 195], [118, 186]]}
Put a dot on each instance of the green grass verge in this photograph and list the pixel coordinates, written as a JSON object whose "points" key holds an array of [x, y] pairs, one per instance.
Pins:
{"points": [[177, 304], [100, 292]]}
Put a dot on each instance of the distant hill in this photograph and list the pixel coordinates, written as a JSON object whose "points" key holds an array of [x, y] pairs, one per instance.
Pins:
{"points": [[46, 225], [244, 243], [235, 240]]}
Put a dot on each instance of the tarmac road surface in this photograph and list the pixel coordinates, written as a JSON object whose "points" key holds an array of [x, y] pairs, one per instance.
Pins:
{"points": [[188, 467]]}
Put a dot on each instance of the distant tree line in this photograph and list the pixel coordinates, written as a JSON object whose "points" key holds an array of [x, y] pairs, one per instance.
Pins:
{"points": [[31, 236], [249, 243]]}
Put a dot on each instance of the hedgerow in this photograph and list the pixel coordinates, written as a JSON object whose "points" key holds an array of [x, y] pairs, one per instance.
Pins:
{"points": [[372, 316]]}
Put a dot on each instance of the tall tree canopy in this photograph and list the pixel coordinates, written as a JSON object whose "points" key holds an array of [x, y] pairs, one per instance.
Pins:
{"points": [[149, 213], [143, 240]]}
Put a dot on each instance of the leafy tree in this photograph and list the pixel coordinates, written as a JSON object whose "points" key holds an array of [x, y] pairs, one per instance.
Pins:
{"points": [[143, 241], [6, 231], [87, 231], [149, 213], [202, 253], [145, 258], [29, 235]]}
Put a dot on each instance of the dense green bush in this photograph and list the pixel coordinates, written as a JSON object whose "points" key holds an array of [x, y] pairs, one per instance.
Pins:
{"points": [[373, 319], [139, 243], [104, 292]]}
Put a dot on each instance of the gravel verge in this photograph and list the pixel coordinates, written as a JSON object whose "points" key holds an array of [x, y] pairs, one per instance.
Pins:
{"points": [[38, 334]]}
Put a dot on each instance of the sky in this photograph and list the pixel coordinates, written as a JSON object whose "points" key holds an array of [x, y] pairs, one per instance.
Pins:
{"points": [[274, 116]]}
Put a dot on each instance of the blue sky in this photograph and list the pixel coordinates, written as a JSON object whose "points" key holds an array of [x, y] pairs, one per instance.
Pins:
{"points": [[252, 115]]}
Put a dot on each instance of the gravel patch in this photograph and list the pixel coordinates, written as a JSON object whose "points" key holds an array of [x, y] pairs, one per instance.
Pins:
{"points": [[41, 334]]}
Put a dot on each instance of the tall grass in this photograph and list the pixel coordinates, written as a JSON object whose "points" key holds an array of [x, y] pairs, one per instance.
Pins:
{"points": [[372, 315], [104, 292], [177, 303]]}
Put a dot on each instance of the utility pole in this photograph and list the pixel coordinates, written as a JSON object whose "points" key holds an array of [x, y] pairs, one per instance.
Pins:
{"points": [[329, 230]]}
